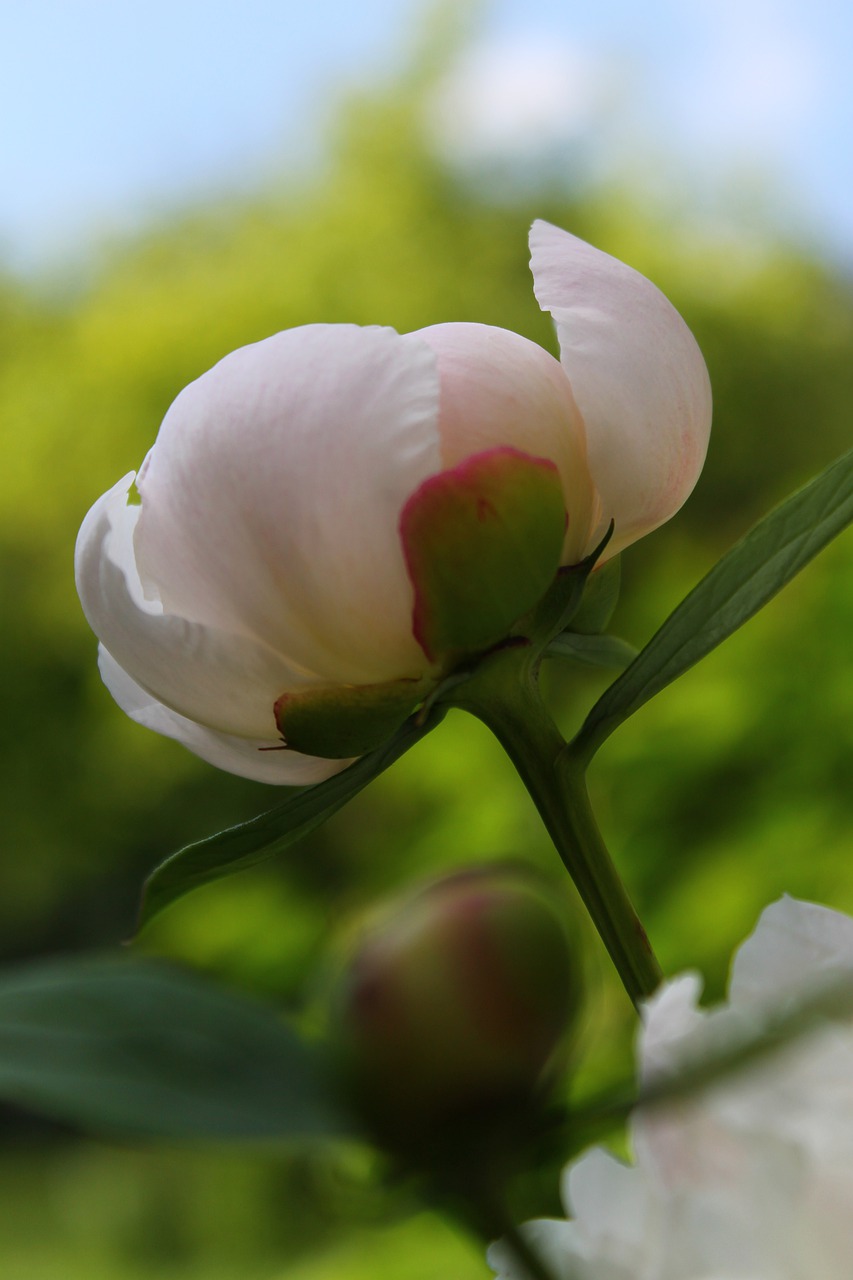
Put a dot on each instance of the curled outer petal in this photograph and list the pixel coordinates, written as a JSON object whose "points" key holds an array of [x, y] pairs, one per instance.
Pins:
{"points": [[212, 690], [637, 376], [258, 759]]}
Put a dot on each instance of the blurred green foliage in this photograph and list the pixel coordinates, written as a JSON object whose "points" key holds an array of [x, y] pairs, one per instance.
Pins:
{"points": [[729, 789]]}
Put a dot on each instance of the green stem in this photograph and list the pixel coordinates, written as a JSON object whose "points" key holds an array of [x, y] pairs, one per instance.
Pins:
{"points": [[503, 693]]}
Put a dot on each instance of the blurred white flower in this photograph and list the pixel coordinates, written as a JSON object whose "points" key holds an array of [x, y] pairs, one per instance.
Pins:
{"points": [[749, 1179], [330, 517], [518, 95]]}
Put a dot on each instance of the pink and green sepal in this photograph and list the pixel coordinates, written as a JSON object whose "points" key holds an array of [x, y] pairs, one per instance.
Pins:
{"points": [[482, 542]]}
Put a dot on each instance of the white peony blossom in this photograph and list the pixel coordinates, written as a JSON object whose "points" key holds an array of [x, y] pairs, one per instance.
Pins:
{"points": [[749, 1179], [331, 517]]}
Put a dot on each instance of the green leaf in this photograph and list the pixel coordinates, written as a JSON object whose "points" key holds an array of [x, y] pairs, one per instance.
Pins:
{"points": [[592, 650], [137, 1049], [736, 588], [270, 833]]}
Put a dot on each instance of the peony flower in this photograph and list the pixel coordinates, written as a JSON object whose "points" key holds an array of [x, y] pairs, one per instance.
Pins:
{"points": [[332, 518], [750, 1179]]}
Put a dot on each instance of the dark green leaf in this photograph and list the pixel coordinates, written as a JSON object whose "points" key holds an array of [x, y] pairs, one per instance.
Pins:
{"points": [[135, 1048], [736, 588], [592, 650], [270, 833]]}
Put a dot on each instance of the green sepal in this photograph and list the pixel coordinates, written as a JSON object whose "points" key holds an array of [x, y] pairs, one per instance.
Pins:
{"points": [[482, 543], [337, 722], [592, 650], [600, 597], [561, 604]]}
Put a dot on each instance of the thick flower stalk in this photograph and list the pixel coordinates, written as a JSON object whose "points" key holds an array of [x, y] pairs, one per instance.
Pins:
{"points": [[330, 520], [749, 1179]]}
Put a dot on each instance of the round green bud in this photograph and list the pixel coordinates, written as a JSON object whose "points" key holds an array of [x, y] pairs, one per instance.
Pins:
{"points": [[453, 1002]]}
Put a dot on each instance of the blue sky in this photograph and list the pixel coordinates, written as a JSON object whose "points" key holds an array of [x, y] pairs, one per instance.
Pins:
{"points": [[110, 111]]}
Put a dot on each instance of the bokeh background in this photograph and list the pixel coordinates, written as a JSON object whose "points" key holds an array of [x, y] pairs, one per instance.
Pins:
{"points": [[180, 180]]}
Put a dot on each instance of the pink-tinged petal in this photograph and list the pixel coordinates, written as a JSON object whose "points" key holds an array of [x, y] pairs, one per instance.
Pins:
{"points": [[498, 389], [637, 375], [224, 681], [482, 543], [271, 497], [246, 757]]}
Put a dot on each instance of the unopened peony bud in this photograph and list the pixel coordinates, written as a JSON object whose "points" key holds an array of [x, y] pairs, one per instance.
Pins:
{"points": [[332, 519], [453, 1003]]}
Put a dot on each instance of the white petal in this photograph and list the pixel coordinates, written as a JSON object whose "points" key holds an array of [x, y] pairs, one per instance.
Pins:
{"points": [[498, 388], [226, 682], [677, 1035], [271, 498], [242, 756], [615, 1207], [670, 1018], [637, 375], [750, 1177], [796, 945], [550, 1240]]}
